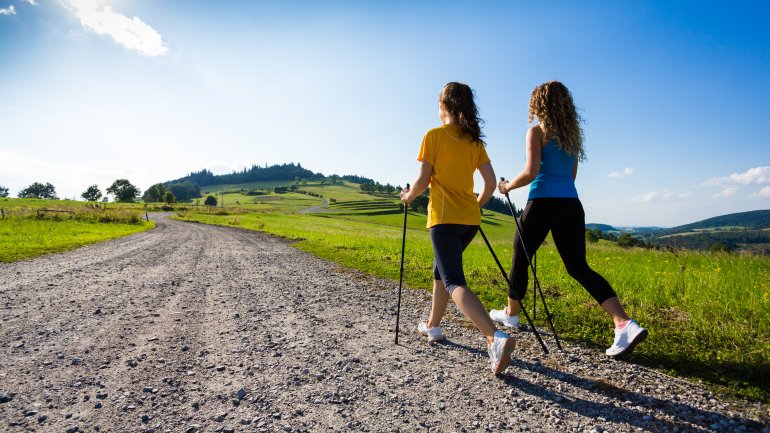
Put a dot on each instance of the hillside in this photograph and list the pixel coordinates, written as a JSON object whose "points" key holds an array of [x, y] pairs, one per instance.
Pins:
{"points": [[752, 220], [740, 232], [256, 173], [744, 231]]}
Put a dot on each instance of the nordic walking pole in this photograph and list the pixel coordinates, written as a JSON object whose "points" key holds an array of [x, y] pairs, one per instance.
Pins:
{"points": [[401, 274], [534, 272], [534, 275], [505, 276]]}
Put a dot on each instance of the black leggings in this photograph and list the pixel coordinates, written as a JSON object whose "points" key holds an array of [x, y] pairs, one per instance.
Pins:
{"points": [[449, 241], [565, 218]]}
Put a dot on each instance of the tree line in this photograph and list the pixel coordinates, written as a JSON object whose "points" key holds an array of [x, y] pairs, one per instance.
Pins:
{"points": [[376, 187], [255, 173], [121, 189]]}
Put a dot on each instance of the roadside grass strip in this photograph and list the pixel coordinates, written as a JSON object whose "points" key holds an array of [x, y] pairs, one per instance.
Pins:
{"points": [[32, 227]]}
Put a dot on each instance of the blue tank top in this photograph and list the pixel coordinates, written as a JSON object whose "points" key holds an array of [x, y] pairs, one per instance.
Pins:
{"points": [[555, 176]]}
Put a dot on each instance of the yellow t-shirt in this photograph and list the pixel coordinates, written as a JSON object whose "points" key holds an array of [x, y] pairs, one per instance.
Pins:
{"points": [[454, 158]]}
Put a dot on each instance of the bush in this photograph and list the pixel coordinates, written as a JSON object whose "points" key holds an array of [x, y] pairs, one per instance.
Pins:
{"points": [[210, 201], [626, 241]]}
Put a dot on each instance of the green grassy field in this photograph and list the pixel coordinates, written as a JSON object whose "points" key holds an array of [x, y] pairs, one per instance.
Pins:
{"points": [[708, 313], [26, 231]]}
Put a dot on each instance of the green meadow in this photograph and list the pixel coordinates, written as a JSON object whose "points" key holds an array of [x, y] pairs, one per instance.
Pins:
{"points": [[708, 313], [26, 230]]}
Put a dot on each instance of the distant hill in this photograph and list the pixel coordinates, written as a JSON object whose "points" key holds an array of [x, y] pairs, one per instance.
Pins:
{"points": [[601, 227], [256, 173], [744, 231], [756, 219], [641, 230]]}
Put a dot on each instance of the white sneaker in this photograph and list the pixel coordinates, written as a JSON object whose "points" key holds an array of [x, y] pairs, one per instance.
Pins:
{"points": [[434, 334], [500, 350], [503, 317], [626, 339]]}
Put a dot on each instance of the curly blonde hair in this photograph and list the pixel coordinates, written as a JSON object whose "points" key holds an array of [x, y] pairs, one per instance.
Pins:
{"points": [[552, 104]]}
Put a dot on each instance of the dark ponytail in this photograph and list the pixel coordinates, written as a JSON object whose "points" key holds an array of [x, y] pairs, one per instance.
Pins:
{"points": [[457, 99]]}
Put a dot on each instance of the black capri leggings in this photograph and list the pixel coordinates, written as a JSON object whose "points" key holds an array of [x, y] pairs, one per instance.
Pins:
{"points": [[449, 241], [565, 218]]}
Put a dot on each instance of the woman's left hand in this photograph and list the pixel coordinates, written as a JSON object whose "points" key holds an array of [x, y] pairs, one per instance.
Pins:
{"points": [[502, 186]]}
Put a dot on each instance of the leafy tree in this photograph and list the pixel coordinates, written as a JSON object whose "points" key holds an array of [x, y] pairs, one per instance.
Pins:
{"points": [[593, 236], [210, 201], [92, 193], [38, 190], [3, 191], [185, 190], [169, 197], [154, 193], [124, 191]]}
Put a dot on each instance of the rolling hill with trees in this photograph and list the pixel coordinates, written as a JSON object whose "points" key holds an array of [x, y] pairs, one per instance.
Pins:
{"points": [[744, 231], [740, 232]]}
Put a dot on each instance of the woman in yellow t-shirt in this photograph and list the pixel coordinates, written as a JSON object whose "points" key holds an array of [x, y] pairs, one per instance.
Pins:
{"points": [[450, 154]]}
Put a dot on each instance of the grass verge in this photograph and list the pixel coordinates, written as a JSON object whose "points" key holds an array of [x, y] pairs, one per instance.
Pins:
{"points": [[26, 231]]}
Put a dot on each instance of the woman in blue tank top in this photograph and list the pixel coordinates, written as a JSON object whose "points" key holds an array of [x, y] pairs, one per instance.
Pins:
{"points": [[554, 148]]}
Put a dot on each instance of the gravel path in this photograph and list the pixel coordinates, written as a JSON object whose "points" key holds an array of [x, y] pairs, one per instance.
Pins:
{"points": [[190, 328], [318, 208]]}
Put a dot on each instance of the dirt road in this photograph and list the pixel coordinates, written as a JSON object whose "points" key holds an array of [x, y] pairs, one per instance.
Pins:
{"points": [[191, 328]]}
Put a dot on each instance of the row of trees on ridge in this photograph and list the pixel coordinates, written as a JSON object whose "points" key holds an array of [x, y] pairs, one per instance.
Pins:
{"points": [[122, 189]]}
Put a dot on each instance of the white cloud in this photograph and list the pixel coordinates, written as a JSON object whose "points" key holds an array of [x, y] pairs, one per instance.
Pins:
{"points": [[132, 33], [756, 175], [726, 193], [32, 2], [661, 195], [10, 10], [626, 172], [764, 192], [646, 197]]}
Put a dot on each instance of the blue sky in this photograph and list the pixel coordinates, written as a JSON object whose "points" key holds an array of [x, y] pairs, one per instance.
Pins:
{"points": [[674, 94]]}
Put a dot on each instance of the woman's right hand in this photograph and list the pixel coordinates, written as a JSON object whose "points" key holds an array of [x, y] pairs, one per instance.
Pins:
{"points": [[405, 195]]}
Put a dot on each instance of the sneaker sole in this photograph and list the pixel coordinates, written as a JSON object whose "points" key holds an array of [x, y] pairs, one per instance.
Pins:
{"points": [[516, 326], [627, 351], [430, 338], [505, 360]]}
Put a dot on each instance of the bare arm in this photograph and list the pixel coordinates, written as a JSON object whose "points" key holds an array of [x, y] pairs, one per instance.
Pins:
{"points": [[488, 174], [420, 185], [531, 165]]}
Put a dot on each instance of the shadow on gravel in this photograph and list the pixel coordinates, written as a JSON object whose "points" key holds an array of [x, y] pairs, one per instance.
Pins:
{"points": [[689, 418], [452, 345]]}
